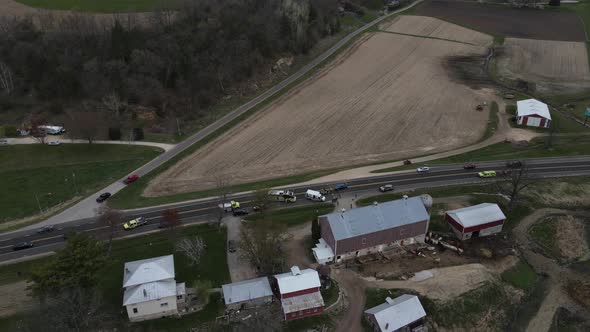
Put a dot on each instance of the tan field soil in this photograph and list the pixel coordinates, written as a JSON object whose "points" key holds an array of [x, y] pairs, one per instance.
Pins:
{"points": [[557, 193], [551, 65], [432, 27], [571, 239], [388, 97]]}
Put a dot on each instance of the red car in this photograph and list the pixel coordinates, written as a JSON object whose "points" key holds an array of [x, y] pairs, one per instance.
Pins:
{"points": [[469, 166], [131, 179]]}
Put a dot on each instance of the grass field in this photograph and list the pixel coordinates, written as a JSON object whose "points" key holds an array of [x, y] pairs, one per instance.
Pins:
{"points": [[103, 6], [521, 276], [294, 216], [39, 176], [544, 234], [212, 267]]}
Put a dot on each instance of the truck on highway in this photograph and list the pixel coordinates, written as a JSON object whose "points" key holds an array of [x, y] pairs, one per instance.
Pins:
{"points": [[315, 195], [287, 196], [229, 207]]}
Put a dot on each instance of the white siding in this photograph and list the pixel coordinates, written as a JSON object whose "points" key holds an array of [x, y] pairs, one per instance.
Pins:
{"points": [[533, 122], [152, 309], [490, 231]]}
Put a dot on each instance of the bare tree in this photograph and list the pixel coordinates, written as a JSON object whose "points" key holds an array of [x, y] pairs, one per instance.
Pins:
{"points": [[110, 218], [37, 131], [6, 82], [170, 221], [221, 187], [192, 248], [114, 104], [514, 182], [262, 245], [86, 124]]}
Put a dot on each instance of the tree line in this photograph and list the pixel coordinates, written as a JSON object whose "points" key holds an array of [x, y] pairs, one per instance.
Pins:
{"points": [[179, 64]]}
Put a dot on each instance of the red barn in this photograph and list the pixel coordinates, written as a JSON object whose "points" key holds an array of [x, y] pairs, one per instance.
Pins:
{"points": [[300, 293], [533, 113], [475, 221]]}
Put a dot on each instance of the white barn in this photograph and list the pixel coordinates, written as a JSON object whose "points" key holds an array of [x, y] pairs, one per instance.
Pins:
{"points": [[151, 290], [533, 113], [404, 313]]}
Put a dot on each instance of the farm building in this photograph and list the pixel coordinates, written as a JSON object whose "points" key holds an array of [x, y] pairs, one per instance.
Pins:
{"points": [[299, 291], [247, 293], [151, 290], [532, 113], [404, 313], [475, 221], [360, 231]]}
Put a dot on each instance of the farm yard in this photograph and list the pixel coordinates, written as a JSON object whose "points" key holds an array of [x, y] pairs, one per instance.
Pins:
{"points": [[506, 21], [554, 66], [375, 102]]}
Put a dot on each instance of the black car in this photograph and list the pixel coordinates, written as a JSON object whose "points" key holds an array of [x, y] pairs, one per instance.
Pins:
{"points": [[240, 212], [22, 245], [45, 229], [514, 164], [103, 197]]}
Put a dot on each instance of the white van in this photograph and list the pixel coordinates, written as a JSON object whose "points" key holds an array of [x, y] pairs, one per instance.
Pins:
{"points": [[315, 195]]}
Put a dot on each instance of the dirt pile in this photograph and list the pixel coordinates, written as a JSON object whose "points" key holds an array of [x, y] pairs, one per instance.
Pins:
{"points": [[571, 239]]}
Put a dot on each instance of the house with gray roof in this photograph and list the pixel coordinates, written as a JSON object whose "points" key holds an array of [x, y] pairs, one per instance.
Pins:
{"points": [[151, 290], [402, 314], [373, 228], [247, 293]]}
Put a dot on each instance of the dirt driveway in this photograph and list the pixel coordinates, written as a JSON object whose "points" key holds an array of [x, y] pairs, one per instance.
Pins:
{"points": [[558, 275], [388, 97], [239, 268]]}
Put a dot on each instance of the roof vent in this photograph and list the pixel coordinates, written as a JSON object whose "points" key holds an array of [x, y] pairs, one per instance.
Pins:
{"points": [[375, 203], [343, 210], [389, 300], [405, 196], [144, 293], [127, 270], [295, 270]]}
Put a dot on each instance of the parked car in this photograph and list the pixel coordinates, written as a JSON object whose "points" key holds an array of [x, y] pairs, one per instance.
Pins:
{"points": [[131, 224], [22, 245], [103, 197], [469, 166], [387, 187], [514, 164], [3, 141], [423, 169], [486, 174], [54, 143], [407, 162], [131, 179], [231, 246], [326, 191], [341, 186], [45, 229], [240, 212]]}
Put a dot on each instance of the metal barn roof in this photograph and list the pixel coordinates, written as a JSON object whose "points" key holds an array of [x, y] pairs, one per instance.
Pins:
{"points": [[246, 290], [297, 280], [397, 313], [477, 214], [532, 107], [374, 218], [149, 291], [148, 270], [302, 302]]}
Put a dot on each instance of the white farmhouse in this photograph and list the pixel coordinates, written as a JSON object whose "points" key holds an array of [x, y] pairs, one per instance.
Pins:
{"points": [[151, 290]]}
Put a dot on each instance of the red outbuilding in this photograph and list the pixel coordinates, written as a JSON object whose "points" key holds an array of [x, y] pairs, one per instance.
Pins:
{"points": [[299, 291], [475, 221], [533, 113]]}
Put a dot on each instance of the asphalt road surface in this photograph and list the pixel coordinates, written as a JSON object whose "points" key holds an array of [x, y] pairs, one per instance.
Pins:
{"points": [[207, 210], [87, 207]]}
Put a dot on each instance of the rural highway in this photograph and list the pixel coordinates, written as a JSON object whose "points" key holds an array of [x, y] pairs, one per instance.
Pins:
{"points": [[87, 207], [205, 211]]}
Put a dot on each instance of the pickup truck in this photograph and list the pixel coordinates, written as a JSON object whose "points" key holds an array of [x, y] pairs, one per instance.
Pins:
{"points": [[131, 224]]}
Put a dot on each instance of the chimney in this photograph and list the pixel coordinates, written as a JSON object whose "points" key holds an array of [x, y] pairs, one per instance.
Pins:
{"points": [[295, 270], [389, 300], [144, 293]]}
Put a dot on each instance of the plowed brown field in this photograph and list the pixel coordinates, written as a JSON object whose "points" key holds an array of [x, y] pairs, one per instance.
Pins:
{"points": [[554, 66], [388, 97]]}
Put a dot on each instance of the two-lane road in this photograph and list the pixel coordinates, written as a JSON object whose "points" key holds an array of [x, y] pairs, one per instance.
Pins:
{"points": [[205, 210]]}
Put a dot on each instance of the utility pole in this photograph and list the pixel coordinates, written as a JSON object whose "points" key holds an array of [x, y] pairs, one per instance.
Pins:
{"points": [[38, 203], [74, 178]]}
